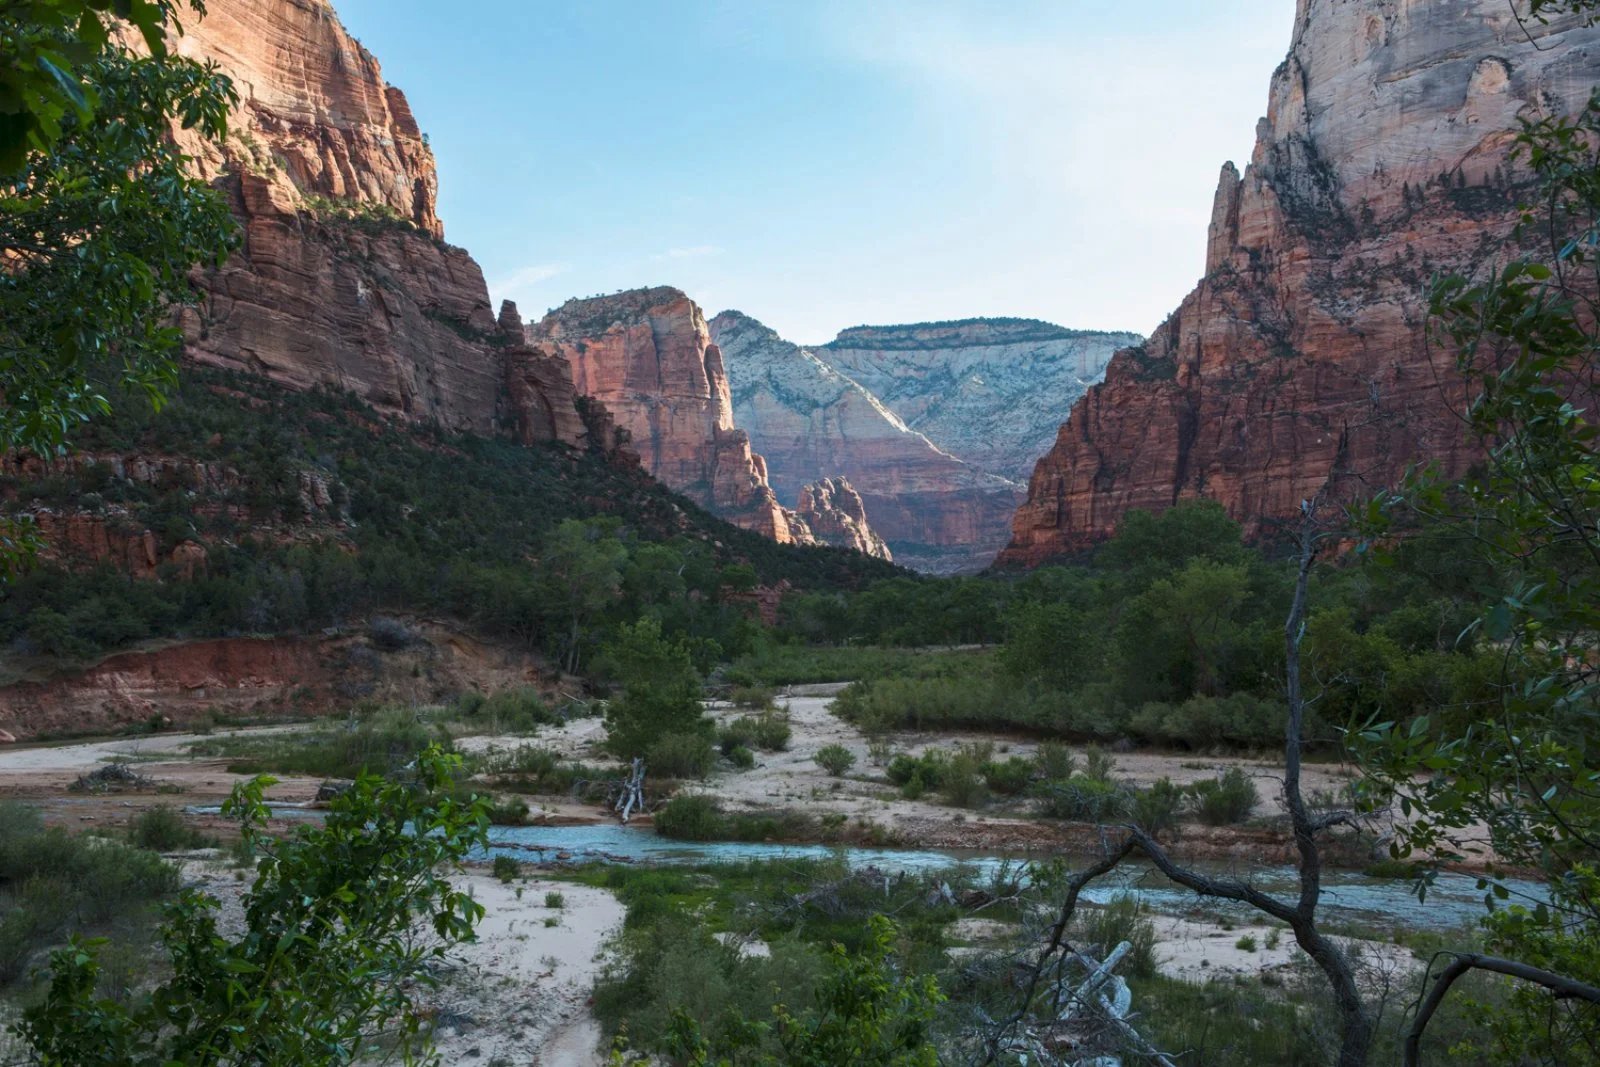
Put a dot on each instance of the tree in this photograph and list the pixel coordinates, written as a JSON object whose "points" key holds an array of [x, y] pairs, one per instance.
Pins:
{"points": [[100, 219], [330, 959], [1524, 340], [660, 690], [1060, 644], [583, 566], [865, 1014]]}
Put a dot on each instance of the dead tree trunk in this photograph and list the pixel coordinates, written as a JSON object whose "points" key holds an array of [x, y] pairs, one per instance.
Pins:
{"points": [[631, 795]]}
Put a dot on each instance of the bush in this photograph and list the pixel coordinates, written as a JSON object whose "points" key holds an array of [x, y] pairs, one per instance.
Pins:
{"points": [[1123, 919], [1245, 944], [1084, 799], [390, 635], [554, 899], [1010, 778], [772, 732], [1226, 800], [690, 817], [1156, 808], [914, 788], [163, 830], [515, 711], [929, 769], [681, 756], [740, 733], [511, 812], [835, 759], [742, 758], [751, 696], [1055, 761], [963, 780], [1097, 764], [507, 869]]}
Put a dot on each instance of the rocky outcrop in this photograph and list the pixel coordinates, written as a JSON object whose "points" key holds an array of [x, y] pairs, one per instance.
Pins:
{"points": [[989, 391], [812, 421], [647, 355], [343, 278], [1383, 159], [835, 515]]}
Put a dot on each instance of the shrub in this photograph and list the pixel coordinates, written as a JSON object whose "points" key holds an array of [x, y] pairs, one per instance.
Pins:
{"points": [[1056, 761], [515, 711], [772, 732], [929, 768], [963, 780], [1226, 800], [1123, 919], [1098, 764], [914, 788], [690, 817], [554, 899], [1084, 799], [1245, 944], [681, 756], [510, 812], [1010, 778], [742, 758], [835, 759], [163, 830], [1156, 808], [750, 696], [390, 635], [740, 733], [507, 869]]}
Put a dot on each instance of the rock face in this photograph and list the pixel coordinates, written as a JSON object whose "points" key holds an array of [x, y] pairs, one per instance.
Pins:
{"points": [[810, 420], [1382, 160], [647, 355], [835, 515], [990, 391], [344, 278]]}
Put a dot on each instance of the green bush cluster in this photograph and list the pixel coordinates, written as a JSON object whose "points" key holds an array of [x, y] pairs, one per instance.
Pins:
{"points": [[768, 731], [835, 759], [53, 881], [162, 829], [384, 742], [698, 817]]}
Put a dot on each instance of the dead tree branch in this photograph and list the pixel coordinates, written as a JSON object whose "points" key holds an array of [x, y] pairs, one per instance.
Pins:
{"points": [[1560, 985]]}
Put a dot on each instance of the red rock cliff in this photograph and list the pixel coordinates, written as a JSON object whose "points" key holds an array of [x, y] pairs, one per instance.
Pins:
{"points": [[1382, 160], [834, 514], [344, 278], [647, 356]]}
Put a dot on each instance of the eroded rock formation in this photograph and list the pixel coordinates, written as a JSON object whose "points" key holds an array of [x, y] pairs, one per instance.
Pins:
{"points": [[835, 515], [812, 421], [990, 391], [344, 278], [1382, 160], [647, 355]]}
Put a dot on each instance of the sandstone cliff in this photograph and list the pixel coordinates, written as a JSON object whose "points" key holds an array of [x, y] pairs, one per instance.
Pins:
{"points": [[344, 278], [647, 355], [811, 421], [835, 515], [1382, 160], [990, 391]]}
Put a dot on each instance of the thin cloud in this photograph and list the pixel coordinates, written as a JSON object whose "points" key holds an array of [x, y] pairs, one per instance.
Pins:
{"points": [[690, 252], [520, 285]]}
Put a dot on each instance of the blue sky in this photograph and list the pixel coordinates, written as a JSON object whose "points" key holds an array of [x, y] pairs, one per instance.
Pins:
{"points": [[824, 163]]}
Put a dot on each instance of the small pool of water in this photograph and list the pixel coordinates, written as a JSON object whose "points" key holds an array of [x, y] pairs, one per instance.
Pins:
{"points": [[1453, 901], [276, 810]]}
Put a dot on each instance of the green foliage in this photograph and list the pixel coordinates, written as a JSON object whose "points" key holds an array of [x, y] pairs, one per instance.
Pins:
{"points": [[53, 882], [698, 817], [1226, 800], [680, 756], [742, 758], [1157, 807], [510, 711], [661, 691], [384, 742], [555, 899], [1011, 777], [1084, 799], [506, 869], [865, 1013], [1123, 918], [162, 829], [962, 781], [835, 759], [1055, 760], [928, 768], [328, 954], [1522, 763]]}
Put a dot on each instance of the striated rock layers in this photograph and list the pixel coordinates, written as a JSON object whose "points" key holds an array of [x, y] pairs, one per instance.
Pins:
{"points": [[990, 391], [1382, 159], [835, 515], [810, 420], [344, 278], [647, 356]]}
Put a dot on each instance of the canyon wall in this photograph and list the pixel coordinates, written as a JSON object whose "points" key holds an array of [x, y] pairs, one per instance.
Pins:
{"points": [[990, 391], [811, 421], [344, 278], [647, 355], [1382, 159], [834, 514]]}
